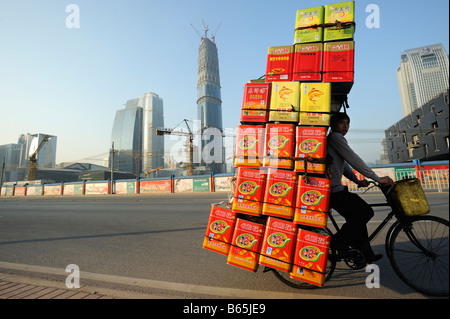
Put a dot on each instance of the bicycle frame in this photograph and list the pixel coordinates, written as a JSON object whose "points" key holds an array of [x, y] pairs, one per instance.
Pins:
{"points": [[377, 230]]}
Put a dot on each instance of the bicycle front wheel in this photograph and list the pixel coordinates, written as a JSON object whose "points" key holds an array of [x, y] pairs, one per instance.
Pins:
{"points": [[419, 253]]}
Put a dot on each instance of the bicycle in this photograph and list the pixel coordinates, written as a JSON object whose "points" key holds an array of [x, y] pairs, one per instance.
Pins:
{"points": [[417, 248]]}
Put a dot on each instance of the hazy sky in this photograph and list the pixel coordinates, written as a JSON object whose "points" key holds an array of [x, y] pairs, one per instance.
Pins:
{"points": [[70, 82]]}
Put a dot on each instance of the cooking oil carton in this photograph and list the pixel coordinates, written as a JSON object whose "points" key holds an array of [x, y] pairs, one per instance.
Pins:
{"points": [[314, 119], [280, 60], [278, 245], [311, 254], [279, 196], [344, 12], [308, 62], [311, 142], [307, 25], [279, 146], [312, 202], [219, 230], [338, 61], [285, 101], [315, 97], [306, 275], [256, 102], [246, 245], [249, 145], [249, 191]]}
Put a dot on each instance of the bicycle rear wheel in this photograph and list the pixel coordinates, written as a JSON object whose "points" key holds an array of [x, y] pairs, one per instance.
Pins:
{"points": [[298, 284], [419, 253]]}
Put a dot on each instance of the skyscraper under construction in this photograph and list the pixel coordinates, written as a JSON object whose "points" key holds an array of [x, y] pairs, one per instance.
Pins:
{"points": [[209, 104]]}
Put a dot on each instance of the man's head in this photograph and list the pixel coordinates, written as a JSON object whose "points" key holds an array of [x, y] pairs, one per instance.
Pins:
{"points": [[340, 122]]}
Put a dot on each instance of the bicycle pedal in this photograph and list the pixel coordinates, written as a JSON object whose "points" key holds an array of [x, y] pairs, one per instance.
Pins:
{"points": [[355, 259]]}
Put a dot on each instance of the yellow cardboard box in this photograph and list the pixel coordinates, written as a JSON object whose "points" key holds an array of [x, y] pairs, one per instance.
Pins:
{"points": [[315, 97], [285, 101]]}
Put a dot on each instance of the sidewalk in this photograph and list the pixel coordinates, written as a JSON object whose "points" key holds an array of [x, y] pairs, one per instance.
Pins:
{"points": [[18, 287]]}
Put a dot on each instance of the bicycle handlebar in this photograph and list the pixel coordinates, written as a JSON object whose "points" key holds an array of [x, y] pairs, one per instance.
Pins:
{"points": [[385, 189]]}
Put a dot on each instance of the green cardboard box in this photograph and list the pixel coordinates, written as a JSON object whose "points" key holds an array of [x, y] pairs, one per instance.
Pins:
{"points": [[343, 12], [305, 18]]}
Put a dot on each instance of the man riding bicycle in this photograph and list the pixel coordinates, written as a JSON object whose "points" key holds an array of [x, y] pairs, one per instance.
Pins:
{"points": [[350, 205]]}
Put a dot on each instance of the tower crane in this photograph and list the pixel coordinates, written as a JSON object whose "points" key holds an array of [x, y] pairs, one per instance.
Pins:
{"points": [[32, 167], [206, 28], [213, 37], [169, 131]]}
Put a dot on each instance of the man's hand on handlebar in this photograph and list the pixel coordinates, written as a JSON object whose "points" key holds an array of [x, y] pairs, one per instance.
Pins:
{"points": [[386, 181], [363, 183]]}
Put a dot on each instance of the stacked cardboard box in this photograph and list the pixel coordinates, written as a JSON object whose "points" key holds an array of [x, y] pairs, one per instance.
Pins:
{"points": [[343, 14], [281, 183]]}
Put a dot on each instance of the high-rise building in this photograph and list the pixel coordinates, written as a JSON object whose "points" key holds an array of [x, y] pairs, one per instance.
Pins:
{"points": [[137, 148], [422, 75], [126, 138], [209, 105], [152, 144]]}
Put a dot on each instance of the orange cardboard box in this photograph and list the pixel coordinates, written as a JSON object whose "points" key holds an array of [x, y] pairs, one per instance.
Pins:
{"points": [[280, 60], [311, 257], [279, 142], [249, 191], [312, 202], [279, 197], [256, 102], [311, 250], [306, 275], [277, 249], [246, 244], [249, 145], [310, 142], [219, 230]]}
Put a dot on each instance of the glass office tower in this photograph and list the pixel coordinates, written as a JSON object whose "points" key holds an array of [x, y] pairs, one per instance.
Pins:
{"points": [[136, 145], [152, 144], [422, 75], [209, 105], [126, 138]]}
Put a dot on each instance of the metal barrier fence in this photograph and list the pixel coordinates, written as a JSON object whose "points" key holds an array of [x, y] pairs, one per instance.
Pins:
{"points": [[432, 180]]}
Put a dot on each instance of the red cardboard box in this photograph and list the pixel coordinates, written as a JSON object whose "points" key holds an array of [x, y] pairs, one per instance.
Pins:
{"points": [[249, 145], [279, 142], [280, 61], [338, 61], [312, 202], [255, 105], [219, 230], [307, 62], [311, 142], [311, 253], [249, 191], [246, 244], [277, 249], [280, 193]]}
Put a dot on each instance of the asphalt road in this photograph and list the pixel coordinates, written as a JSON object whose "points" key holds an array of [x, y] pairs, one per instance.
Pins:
{"points": [[152, 244]]}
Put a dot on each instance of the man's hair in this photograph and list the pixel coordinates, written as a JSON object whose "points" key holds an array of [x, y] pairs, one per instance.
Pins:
{"points": [[337, 117]]}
